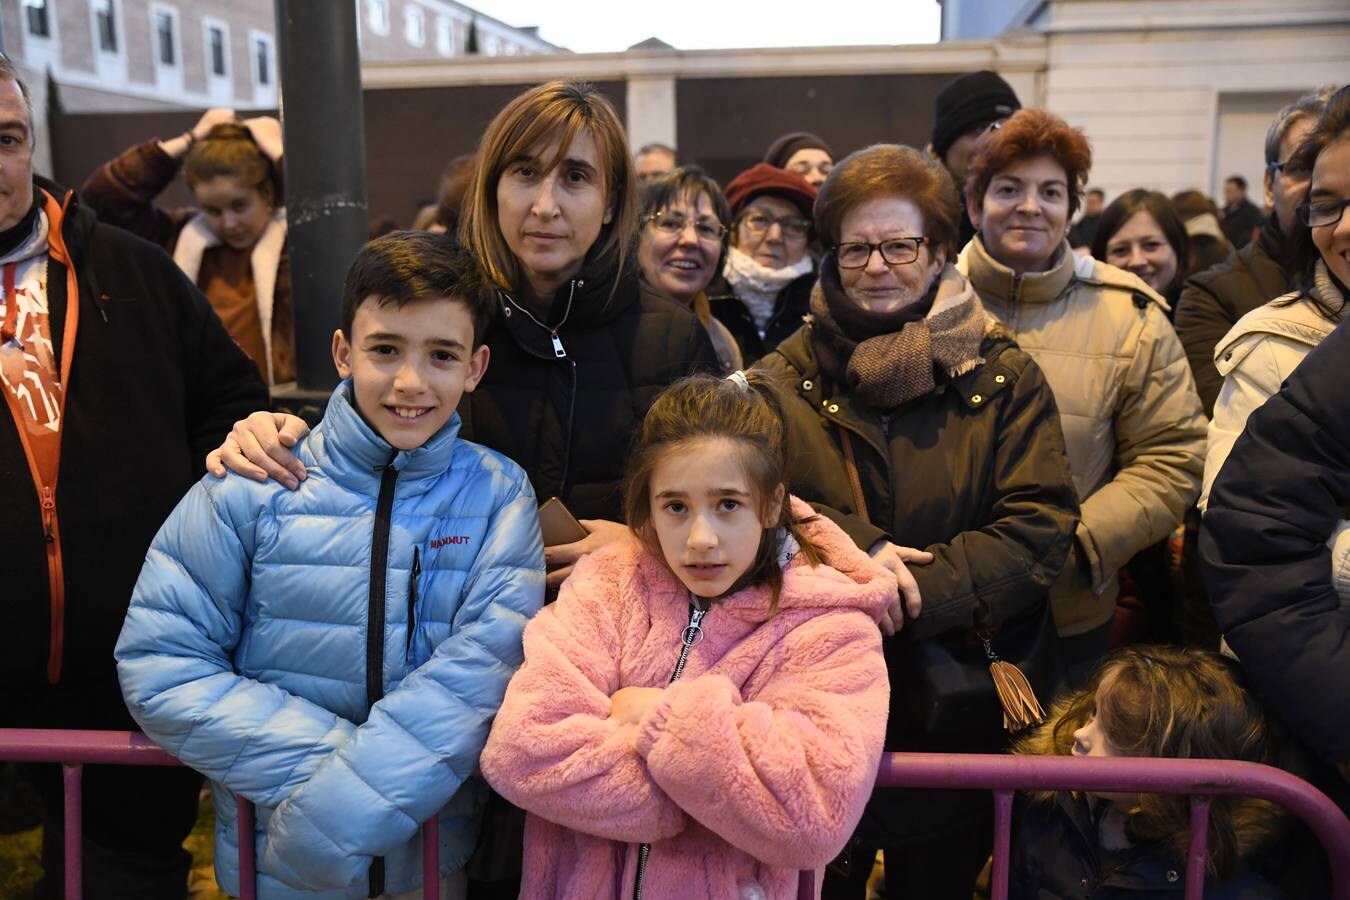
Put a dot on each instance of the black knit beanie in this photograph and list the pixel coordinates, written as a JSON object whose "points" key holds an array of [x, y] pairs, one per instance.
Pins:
{"points": [[781, 150], [969, 100]]}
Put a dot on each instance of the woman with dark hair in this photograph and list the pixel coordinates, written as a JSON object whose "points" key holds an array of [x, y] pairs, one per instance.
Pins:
{"points": [[234, 246], [766, 279], [1270, 342], [917, 425], [682, 245], [1141, 233], [804, 153], [1132, 419], [579, 346]]}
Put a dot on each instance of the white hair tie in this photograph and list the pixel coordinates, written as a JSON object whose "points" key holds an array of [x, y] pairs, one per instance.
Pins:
{"points": [[738, 377]]}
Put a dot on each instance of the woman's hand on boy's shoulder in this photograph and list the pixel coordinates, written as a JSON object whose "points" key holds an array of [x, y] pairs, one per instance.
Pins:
{"points": [[560, 558], [628, 705], [259, 447]]}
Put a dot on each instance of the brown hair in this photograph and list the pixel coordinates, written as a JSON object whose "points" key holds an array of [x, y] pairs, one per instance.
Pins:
{"points": [[890, 170], [706, 407], [1174, 703], [1160, 209], [1030, 133], [229, 149], [558, 110]]}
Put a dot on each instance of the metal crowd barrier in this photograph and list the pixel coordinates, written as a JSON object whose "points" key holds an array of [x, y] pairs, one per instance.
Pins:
{"points": [[1003, 775]]}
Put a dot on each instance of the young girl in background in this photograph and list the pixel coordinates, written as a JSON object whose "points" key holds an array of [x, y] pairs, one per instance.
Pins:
{"points": [[701, 712], [1157, 702]]}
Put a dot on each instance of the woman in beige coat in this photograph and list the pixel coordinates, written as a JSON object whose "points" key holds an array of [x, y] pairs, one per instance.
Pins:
{"points": [[1132, 421]]}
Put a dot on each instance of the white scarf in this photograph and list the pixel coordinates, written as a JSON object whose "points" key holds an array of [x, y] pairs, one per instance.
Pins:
{"points": [[197, 237], [757, 286]]}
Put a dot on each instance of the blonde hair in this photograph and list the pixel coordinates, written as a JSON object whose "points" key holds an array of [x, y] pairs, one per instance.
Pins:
{"points": [[556, 111], [1173, 703]]}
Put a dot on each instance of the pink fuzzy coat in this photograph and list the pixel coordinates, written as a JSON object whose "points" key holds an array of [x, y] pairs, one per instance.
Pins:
{"points": [[757, 762]]}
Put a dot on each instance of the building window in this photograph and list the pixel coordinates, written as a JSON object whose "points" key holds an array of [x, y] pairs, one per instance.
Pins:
{"points": [[105, 21], [445, 36], [215, 50], [39, 18], [414, 26], [262, 61], [165, 50], [377, 11]]}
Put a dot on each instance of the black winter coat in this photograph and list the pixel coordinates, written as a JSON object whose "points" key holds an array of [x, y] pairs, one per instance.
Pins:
{"points": [[1213, 300], [569, 420], [974, 472], [1056, 856], [792, 305], [1282, 490], [155, 385]]}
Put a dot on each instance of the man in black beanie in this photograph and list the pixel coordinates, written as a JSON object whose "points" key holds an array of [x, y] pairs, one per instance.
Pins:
{"points": [[964, 110]]}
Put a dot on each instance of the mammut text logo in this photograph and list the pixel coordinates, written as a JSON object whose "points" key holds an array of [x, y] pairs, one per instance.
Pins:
{"points": [[437, 543]]}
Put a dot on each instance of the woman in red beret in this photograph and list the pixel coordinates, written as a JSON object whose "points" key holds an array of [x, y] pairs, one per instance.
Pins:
{"points": [[766, 282]]}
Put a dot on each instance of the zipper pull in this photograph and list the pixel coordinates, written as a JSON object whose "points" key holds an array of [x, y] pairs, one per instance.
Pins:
{"points": [[48, 513], [694, 632], [558, 351]]}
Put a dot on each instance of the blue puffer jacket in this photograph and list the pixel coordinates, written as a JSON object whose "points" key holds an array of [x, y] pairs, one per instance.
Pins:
{"points": [[248, 650]]}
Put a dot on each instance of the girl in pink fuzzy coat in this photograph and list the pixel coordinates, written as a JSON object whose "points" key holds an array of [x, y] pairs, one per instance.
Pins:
{"points": [[701, 713]]}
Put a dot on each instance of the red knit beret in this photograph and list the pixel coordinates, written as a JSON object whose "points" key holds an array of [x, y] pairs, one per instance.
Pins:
{"points": [[761, 179]]}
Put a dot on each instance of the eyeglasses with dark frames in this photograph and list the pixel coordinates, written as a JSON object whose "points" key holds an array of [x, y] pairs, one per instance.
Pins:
{"points": [[709, 230], [1290, 168], [1321, 213], [894, 252]]}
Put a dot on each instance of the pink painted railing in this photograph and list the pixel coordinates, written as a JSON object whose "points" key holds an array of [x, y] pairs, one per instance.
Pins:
{"points": [[76, 749], [1202, 779], [1199, 778]]}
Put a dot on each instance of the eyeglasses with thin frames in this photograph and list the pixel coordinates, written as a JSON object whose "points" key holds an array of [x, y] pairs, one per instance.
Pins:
{"points": [[894, 252], [1290, 168], [709, 230], [794, 227]]}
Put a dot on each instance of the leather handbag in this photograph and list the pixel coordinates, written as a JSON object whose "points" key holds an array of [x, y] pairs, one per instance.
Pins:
{"points": [[953, 687]]}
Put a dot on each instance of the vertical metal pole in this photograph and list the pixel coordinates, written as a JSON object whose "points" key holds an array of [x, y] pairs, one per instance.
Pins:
{"points": [[431, 858], [324, 129], [71, 777], [1197, 856], [248, 862], [998, 878]]}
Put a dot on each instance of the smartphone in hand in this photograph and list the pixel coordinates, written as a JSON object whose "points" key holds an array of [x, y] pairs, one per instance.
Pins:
{"points": [[558, 525]]}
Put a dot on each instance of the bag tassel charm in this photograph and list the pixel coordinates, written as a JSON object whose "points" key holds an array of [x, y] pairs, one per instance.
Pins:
{"points": [[1021, 709]]}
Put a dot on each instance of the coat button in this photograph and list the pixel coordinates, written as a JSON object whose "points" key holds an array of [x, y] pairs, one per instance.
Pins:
{"points": [[507, 310], [834, 407], [1228, 355], [977, 399], [999, 379], [1172, 875], [1083, 883], [806, 385]]}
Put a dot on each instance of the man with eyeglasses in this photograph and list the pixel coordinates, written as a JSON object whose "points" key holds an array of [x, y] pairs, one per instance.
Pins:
{"points": [[1213, 300]]}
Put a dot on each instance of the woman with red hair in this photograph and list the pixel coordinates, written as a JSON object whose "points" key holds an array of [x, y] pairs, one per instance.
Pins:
{"points": [[1133, 425]]}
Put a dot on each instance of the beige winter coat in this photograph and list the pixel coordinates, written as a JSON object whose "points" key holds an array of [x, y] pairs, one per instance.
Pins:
{"points": [[1132, 420], [1254, 358]]}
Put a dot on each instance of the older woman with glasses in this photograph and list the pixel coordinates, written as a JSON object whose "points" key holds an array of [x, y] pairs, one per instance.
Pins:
{"points": [[919, 426], [1132, 419], [682, 244], [767, 277]]}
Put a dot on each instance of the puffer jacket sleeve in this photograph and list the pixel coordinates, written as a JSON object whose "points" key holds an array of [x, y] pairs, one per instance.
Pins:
{"points": [[554, 750], [995, 573], [1160, 451], [122, 192], [1263, 542], [423, 739], [785, 776], [174, 656], [1251, 383]]}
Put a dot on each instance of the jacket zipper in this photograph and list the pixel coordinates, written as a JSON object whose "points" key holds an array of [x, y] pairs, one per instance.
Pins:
{"points": [[693, 633], [379, 562], [56, 581], [412, 599]]}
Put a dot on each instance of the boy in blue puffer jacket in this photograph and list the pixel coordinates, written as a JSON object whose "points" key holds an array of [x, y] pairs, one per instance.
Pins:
{"points": [[336, 653]]}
